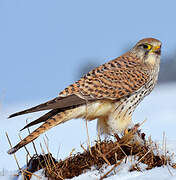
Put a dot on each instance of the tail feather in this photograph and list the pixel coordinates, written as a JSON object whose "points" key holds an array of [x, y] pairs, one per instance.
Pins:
{"points": [[51, 122]]}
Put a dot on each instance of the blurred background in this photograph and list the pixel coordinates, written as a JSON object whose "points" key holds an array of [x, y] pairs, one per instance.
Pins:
{"points": [[47, 45]]}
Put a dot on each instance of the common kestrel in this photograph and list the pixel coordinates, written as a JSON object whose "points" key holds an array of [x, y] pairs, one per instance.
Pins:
{"points": [[109, 93]]}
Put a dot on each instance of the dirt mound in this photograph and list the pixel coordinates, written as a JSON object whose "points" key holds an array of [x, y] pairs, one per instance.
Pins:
{"points": [[107, 152]]}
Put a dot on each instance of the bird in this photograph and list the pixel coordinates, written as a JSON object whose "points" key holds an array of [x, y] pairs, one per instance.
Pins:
{"points": [[109, 93]]}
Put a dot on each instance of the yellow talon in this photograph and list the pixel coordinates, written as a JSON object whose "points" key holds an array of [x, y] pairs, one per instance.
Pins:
{"points": [[126, 132]]}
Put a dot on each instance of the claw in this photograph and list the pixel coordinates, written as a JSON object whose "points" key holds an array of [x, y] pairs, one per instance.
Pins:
{"points": [[126, 131]]}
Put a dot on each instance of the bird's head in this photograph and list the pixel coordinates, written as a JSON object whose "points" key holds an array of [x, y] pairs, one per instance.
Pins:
{"points": [[148, 50]]}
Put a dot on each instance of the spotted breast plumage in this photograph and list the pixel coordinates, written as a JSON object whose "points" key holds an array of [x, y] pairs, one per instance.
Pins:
{"points": [[109, 93]]}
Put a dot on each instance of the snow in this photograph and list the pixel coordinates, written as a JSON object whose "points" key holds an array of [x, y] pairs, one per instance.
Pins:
{"points": [[159, 110], [122, 173]]}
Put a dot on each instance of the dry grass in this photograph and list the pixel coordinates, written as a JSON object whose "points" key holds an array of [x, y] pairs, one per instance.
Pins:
{"points": [[107, 152]]}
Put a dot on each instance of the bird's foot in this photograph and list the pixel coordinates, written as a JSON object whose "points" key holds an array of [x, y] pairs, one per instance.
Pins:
{"points": [[134, 129], [134, 134]]}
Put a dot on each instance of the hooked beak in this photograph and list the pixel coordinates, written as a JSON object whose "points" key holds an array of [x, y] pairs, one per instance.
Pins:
{"points": [[156, 50]]}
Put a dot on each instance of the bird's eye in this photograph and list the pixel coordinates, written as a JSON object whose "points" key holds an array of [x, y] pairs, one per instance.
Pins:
{"points": [[146, 46]]}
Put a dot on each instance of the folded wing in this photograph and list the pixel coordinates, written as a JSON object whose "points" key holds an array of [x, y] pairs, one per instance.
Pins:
{"points": [[56, 103]]}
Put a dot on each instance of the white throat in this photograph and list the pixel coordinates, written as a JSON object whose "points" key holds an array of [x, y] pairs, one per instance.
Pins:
{"points": [[153, 59]]}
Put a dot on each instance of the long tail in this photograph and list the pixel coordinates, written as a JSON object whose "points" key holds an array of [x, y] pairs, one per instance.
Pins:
{"points": [[51, 122]]}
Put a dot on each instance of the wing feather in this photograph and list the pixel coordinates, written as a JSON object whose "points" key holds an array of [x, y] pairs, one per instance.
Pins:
{"points": [[56, 103], [116, 79], [42, 118]]}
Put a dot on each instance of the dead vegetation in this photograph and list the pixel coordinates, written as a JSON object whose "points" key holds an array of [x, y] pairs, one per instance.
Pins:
{"points": [[110, 153], [107, 152]]}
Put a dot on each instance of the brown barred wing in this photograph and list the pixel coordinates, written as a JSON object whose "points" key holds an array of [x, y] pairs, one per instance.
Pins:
{"points": [[116, 79]]}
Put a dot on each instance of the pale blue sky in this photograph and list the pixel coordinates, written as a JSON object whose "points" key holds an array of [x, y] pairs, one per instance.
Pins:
{"points": [[43, 43]]}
